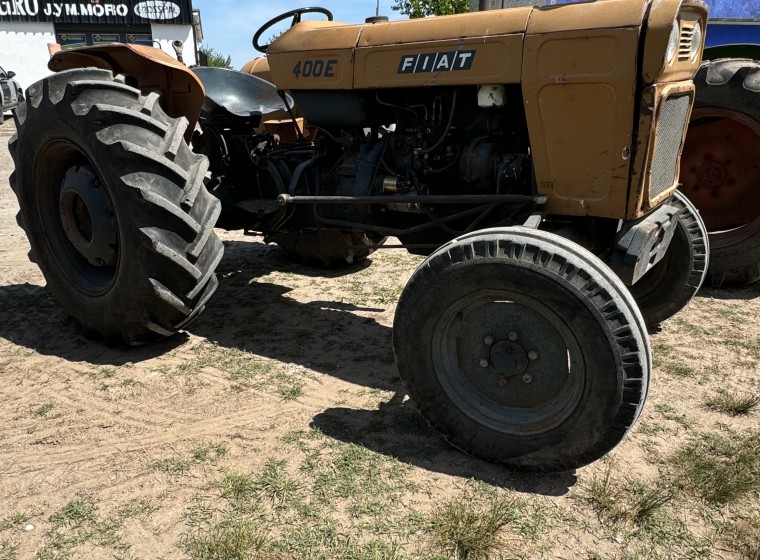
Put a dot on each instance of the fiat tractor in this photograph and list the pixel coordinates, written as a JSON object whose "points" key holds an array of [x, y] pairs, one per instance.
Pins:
{"points": [[531, 155]]}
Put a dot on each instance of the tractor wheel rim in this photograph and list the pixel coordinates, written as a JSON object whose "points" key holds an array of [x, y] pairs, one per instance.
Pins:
{"points": [[77, 214], [509, 362], [87, 216], [721, 173]]}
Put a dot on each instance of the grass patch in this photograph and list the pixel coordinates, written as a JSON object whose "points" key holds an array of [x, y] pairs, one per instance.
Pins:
{"points": [[732, 403], [720, 468], [276, 484], [13, 520], [625, 503], [43, 410], [743, 536], [8, 550], [472, 525], [229, 539], [207, 452]]}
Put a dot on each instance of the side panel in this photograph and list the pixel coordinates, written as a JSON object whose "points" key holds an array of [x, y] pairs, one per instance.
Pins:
{"points": [[579, 93], [441, 63]]}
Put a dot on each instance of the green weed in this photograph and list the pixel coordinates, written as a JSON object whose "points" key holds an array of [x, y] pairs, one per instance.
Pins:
{"points": [[731, 403], [720, 468]]}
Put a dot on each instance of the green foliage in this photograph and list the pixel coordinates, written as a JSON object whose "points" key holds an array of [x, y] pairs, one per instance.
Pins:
{"points": [[216, 59], [422, 8]]}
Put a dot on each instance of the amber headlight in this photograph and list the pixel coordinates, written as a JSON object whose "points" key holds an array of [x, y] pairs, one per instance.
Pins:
{"points": [[675, 36], [696, 41]]}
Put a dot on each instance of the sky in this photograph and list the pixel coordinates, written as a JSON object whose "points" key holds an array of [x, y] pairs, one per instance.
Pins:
{"points": [[229, 25]]}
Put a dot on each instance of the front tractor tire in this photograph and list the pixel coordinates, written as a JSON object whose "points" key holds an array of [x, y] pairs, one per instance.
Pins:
{"points": [[522, 348], [719, 166], [669, 286], [112, 200]]}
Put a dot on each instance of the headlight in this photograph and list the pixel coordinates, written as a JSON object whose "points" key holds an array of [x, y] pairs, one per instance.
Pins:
{"points": [[675, 36], [696, 41]]}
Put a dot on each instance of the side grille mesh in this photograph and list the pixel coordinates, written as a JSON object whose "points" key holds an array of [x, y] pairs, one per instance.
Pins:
{"points": [[670, 126]]}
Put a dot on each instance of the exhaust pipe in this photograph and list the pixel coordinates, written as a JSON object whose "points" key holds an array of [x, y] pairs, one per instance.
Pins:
{"points": [[178, 45]]}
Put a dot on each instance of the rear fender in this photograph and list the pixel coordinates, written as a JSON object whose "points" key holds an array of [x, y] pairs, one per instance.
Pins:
{"points": [[146, 68]]}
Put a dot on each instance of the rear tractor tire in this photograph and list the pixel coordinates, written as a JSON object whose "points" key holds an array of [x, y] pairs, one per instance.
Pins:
{"points": [[522, 348], [719, 167], [113, 203], [669, 286]]}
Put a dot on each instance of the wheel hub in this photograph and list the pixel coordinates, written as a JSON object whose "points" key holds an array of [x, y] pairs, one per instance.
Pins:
{"points": [[509, 358], [87, 216]]}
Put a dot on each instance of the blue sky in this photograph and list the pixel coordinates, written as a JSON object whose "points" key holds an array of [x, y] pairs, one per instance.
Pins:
{"points": [[229, 25]]}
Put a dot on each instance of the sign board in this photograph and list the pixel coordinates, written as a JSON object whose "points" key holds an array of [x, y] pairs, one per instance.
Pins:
{"points": [[98, 11]]}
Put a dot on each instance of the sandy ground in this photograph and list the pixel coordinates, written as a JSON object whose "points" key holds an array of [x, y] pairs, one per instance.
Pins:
{"points": [[80, 419]]}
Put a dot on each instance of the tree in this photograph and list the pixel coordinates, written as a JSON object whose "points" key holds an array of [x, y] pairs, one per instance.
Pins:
{"points": [[214, 58], [422, 8]]}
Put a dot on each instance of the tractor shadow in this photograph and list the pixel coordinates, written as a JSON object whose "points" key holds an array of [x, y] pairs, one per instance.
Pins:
{"points": [[749, 292], [249, 313], [323, 335], [397, 430], [31, 317]]}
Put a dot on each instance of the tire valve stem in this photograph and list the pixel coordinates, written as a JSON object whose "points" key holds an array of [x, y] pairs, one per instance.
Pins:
{"points": [[503, 381]]}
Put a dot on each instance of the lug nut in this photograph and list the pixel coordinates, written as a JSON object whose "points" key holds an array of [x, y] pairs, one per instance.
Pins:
{"points": [[489, 340], [513, 336], [533, 355], [527, 378], [484, 363]]}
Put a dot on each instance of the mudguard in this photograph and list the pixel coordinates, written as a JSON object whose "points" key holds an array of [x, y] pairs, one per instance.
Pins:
{"points": [[147, 68]]}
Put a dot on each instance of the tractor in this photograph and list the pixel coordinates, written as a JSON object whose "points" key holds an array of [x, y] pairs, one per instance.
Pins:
{"points": [[530, 154]]}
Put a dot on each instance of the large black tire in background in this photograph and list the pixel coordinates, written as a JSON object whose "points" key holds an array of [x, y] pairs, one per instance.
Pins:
{"points": [[669, 286], [720, 167], [522, 348], [113, 203]]}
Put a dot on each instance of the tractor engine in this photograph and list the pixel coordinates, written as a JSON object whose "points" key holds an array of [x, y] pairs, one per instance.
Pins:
{"points": [[393, 143]]}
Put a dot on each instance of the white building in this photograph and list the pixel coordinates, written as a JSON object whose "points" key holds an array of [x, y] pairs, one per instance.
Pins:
{"points": [[29, 27]]}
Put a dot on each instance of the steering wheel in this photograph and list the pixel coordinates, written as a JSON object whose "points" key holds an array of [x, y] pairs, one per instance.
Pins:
{"points": [[295, 14]]}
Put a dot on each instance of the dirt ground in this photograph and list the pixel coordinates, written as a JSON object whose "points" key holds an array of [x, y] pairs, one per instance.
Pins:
{"points": [[139, 438]]}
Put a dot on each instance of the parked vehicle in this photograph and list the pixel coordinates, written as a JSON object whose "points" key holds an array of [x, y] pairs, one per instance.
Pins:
{"points": [[531, 153], [10, 93]]}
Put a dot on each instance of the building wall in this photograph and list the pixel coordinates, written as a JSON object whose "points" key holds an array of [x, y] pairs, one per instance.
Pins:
{"points": [[166, 34], [23, 49]]}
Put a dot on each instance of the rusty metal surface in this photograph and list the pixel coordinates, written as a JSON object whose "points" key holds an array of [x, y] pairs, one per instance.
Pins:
{"points": [[720, 168], [149, 68]]}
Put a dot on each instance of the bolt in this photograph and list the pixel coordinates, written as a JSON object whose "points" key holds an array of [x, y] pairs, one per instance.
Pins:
{"points": [[484, 363], [513, 336], [503, 381], [489, 340], [533, 355], [527, 378]]}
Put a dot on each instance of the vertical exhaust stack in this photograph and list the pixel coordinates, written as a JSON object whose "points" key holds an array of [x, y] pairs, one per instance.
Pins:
{"points": [[178, 47]]}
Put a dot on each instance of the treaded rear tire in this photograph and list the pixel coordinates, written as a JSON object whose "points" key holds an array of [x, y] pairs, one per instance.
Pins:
{"points": [[669, 286], [145, 197], [728, 90], [486, 304]]}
